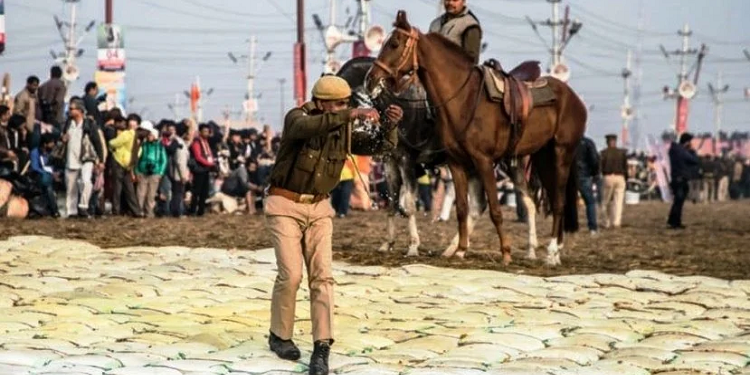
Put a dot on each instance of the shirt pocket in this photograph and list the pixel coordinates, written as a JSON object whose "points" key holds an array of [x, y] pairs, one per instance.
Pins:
{"points": [[307, 160]]}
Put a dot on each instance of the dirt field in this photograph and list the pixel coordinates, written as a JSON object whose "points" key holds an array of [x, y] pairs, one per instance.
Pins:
{"points": [[716, 243]]}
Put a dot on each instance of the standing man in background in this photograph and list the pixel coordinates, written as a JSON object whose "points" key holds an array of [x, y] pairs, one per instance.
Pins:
{"points": [[614, 168], [683, 163], [587, 161]]}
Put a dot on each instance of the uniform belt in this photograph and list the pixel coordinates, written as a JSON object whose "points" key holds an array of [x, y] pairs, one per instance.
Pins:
{"points": [[297, 197]]}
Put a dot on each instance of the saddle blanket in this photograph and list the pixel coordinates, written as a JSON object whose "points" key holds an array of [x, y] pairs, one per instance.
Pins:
{"points": [[541, 93]]}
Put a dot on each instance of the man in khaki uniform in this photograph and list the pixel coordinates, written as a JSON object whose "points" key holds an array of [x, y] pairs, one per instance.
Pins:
{"points": [[314, 147], [614, 169]]}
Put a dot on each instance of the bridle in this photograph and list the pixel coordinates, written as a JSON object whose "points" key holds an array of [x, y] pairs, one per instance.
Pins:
{"points": [[408, 54]]}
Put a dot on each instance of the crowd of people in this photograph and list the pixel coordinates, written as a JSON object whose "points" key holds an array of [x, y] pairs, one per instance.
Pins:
{"points": [[110, 162]]}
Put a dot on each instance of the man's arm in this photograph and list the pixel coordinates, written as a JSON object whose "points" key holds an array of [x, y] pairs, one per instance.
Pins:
{"points": [[299, 125], [472, 41], [198, 155]]}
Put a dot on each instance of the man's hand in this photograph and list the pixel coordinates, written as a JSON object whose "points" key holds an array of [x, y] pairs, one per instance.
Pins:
{"points": [[11, 155], [100, 167], [394, 114], [365, 114]]}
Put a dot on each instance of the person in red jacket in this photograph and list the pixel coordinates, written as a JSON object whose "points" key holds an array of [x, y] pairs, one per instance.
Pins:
{"points": [[204, 164]]}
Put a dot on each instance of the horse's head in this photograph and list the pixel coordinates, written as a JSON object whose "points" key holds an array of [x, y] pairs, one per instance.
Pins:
{"points": [[397, 59]]}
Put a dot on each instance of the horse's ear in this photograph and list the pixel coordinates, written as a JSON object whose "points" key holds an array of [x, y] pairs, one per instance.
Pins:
{"points": [[401, 21]]}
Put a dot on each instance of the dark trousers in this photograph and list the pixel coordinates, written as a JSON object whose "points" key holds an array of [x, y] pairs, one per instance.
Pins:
{"points": [[48, 191], [341, 196], [176, 206], [586, 187], [425, 196], [680, 190], [122, 186], [201, 184]]}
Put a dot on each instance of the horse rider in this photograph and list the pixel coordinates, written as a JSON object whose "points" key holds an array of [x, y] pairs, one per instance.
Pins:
{"points": [[460, 26], [614, 169], [298, 211]]}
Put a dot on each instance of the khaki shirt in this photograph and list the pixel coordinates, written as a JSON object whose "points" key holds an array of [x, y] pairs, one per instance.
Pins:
{"points": [[312, 152]]}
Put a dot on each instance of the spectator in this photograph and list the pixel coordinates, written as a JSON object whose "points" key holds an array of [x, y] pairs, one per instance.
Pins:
{"points": [[204, 163], [151, 166], [52, 98], [43, 173], [83, 154], [588, 173], [342, 193], [92, 103], [8, 157], [178, 173], [122, 175], [26, 101], [683, 162]]}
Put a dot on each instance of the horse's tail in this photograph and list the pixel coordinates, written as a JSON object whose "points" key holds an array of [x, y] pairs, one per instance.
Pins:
{"points": [[570, 216]]}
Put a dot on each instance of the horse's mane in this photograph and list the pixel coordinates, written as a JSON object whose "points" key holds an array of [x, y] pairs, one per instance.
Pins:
{"points": [[453, 47]]}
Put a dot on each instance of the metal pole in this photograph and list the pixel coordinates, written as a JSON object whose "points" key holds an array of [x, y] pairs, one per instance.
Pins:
{"points": [[555, 37], [281, 101], [251, 79], [626, 104], [108, 12], [301, 73]]}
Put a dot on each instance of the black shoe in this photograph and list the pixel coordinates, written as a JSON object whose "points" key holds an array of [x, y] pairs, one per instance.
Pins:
{"points": [[285, 349], [680, 226], [319, 358]]}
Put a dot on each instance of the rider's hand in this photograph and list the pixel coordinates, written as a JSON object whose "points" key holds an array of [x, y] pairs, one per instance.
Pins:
{"points": [[394, 113]]}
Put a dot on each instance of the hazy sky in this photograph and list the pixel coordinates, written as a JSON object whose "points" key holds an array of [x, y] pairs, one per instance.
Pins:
{"points": [[169, 42]]}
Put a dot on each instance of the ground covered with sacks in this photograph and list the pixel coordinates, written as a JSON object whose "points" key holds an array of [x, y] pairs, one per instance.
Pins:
{"points": [[70, 307], [715, 243]]}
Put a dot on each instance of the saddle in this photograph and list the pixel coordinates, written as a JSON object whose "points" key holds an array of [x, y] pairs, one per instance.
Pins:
{"points": [[520, 90]]}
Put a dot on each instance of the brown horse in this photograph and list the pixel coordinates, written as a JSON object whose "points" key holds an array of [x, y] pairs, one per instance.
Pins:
{"points": [[476, 132]]}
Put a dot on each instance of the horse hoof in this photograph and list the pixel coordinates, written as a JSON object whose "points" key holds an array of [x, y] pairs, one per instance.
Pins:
{"points": [[506, 260], [386, 247], [531, 255], [412, 254], [449, 252], [460, 254], [557, 259]]}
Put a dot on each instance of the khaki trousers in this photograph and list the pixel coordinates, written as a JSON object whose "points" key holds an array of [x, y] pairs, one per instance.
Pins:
{"points": [[614, 196], [301, 232], [146, 191]]}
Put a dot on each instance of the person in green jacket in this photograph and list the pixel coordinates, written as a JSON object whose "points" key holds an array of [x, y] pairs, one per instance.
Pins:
{"points": [[152, 164]]}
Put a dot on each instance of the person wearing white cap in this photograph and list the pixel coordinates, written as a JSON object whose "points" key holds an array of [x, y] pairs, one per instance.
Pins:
{"points": [[151, 166]]}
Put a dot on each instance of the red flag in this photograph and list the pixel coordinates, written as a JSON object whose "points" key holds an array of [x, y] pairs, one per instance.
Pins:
{"points": [[195, 95], [682, 115]]}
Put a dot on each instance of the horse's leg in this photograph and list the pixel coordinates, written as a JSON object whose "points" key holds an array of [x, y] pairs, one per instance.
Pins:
{"points": [[393, 179], [476, 209], [460, 182], [409, 179], [523, 187], [486, 172], [563, 160]]}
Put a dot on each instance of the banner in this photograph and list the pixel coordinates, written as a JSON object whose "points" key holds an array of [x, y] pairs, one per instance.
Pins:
{"points": [[2, 26], [682, 114], [110, 42], [113, 84]]}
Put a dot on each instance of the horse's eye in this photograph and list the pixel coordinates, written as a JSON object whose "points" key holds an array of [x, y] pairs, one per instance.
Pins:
{"points": [[394, 43]]}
